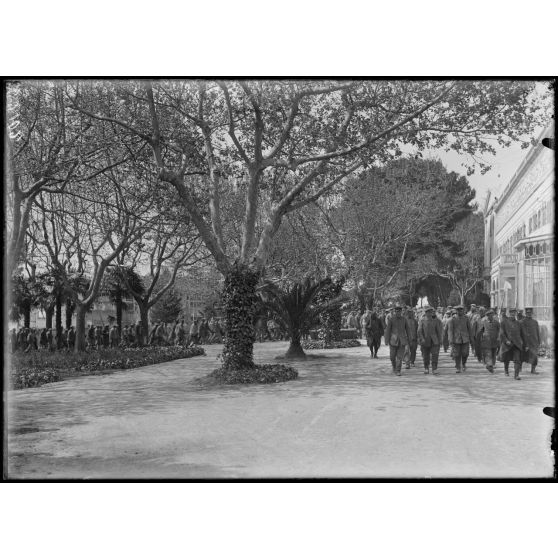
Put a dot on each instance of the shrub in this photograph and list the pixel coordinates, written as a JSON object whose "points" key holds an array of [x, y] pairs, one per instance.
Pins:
{"points": [[346, 344], [34, 369], [259, 374]]}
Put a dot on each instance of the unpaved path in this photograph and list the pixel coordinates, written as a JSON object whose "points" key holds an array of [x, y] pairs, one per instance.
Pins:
{"points": [[346, 416]]}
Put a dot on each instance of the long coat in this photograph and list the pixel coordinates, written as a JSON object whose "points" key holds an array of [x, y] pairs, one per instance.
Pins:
{"points": [[397, 331], [510, 331], [488, 334], [374, 329], [531, 337], [430, 332], [459, 330]]}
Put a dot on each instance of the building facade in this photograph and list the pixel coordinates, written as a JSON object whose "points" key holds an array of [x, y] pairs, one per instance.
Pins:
{"points": [[519, 237]]}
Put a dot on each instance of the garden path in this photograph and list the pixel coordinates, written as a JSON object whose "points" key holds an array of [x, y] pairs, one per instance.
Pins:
{"points": [[345, 416]]}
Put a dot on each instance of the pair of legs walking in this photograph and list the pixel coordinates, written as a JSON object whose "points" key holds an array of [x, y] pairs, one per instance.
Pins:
{"points": [[410, 354], [489, 358], [428, 353], [513, 353], [374, 345], [396, 355], [460, 353]]}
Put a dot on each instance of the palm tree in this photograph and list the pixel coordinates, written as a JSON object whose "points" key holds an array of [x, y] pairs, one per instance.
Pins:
{"points": [[295, 308]]}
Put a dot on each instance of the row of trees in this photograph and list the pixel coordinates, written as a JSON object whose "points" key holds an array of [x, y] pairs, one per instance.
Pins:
{"points": [[101, 173]]}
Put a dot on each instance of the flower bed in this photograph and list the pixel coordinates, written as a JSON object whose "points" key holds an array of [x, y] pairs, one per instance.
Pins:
{"points": [[260, 374], [345, 344], [35, 369]]}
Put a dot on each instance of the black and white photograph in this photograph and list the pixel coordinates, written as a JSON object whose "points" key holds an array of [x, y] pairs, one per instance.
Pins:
{"points": [[279, 278]]}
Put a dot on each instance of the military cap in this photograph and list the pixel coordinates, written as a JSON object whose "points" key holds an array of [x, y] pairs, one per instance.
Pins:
{"points": [[473, 305], [459, 307], [490, 311], [528, 308], [512, 310]]}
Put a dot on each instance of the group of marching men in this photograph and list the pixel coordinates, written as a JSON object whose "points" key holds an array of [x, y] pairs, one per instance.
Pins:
{"points": [[509, 338], [200, 332]]}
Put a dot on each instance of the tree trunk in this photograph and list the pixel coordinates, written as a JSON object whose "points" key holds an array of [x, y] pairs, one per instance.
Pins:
{"points": [[239, 298], [27, 315], [69, 313], [49, 312], [295, 350], [58, 321], [144, 317], [79, 345], [118, 305]]}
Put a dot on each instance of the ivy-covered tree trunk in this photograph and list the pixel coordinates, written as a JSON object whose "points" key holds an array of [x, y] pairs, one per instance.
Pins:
{"points": [[330, 318], [295, 350], [239, 300]]}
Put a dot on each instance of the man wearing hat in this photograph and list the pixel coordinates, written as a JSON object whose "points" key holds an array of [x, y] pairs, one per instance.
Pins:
{"points": [[397, 337], [430, 333], [511, 343], [488, 336], [472, 311], [531, 337], [475, 325], [445, 320], [460, 337], [412, 327], [373, 329]]}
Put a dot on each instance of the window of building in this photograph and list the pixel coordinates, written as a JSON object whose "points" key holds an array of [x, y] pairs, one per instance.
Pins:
{"points": [[538, 280]]}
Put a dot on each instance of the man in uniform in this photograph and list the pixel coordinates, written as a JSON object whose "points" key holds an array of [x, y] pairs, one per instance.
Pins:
{"points": [[487, 336], [472, 311], [397, 337], [531, 337], [430, 332], [511, 343], [460, 337], [373, 329], [445, 320], [411, 351], [520, 317], [475, 325]]}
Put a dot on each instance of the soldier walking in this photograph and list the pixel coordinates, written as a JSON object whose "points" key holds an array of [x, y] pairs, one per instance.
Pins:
{"points": [[487, 337], [511, 344], [429, 335], [397, 337], [411, 351], [373, 329], [460, 337], [531, 337]]}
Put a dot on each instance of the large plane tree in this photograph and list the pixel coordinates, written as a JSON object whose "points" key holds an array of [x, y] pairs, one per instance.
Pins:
{"points": [[279, 145]]}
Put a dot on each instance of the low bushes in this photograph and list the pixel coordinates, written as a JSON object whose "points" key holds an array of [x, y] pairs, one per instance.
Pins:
{"points": [[259, 374], [346, 344], [37, 368]]}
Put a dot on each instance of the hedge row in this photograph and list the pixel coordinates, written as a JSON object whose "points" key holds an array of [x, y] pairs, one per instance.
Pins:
{"points": [[345, 344], [35, 369]]}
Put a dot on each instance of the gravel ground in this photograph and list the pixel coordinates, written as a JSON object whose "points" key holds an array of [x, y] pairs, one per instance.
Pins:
{"points": [[345, 416]]}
